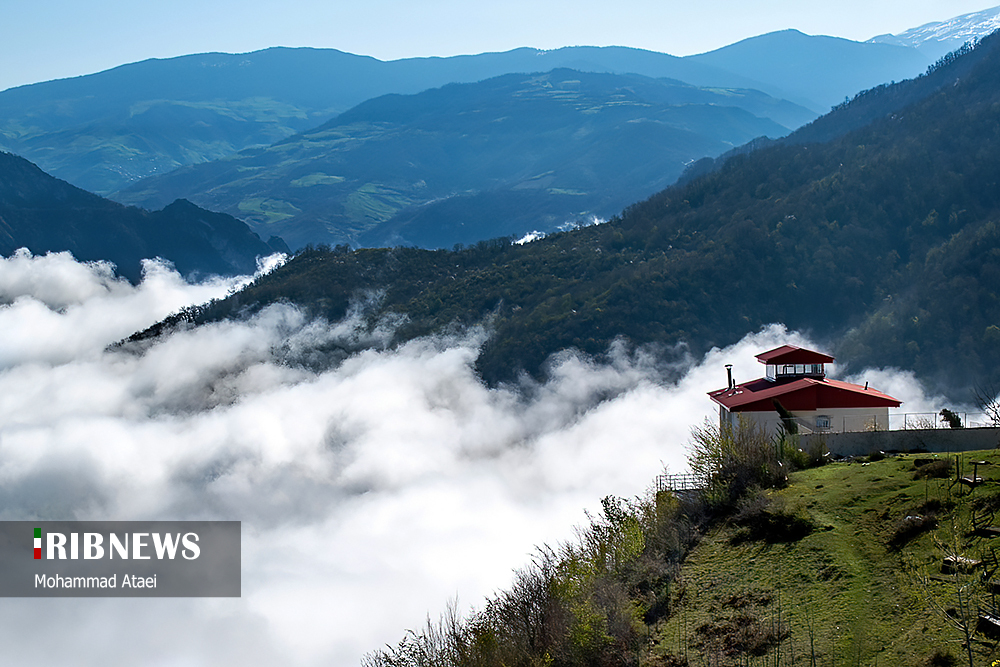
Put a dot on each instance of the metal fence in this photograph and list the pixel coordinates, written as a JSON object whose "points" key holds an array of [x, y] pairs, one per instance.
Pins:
{"points": [[680, 482], [902, 421], [906, 421]]}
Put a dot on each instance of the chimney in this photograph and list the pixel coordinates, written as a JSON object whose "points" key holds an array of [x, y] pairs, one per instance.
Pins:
{"points": [[729, 375]]}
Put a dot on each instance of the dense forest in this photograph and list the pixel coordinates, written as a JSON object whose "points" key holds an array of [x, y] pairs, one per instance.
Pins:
{"points": [[882, 242]]}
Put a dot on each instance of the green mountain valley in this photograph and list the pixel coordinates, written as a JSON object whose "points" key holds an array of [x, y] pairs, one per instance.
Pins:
{"points": [[466, 162]]}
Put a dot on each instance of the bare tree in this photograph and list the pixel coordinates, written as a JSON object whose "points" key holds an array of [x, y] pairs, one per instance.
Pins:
{"points": [[987, 395]]}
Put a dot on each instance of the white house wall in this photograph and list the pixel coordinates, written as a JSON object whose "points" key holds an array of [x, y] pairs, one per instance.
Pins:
{"points": [[842, 420]]}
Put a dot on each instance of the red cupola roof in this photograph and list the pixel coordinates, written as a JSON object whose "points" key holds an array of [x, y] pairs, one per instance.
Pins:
{"points": [[789, 354]]}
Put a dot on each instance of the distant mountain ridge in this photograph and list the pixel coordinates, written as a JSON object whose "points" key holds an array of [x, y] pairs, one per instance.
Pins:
{"points": [[44, 214], [817, 71], [106, 130]]}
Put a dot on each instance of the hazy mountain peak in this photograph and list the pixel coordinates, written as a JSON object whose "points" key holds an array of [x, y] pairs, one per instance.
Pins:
{"points": [[817, 71], [939, 37]]}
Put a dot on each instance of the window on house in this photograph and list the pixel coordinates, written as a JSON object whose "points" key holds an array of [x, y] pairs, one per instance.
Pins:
{"points": [[823, 421]]}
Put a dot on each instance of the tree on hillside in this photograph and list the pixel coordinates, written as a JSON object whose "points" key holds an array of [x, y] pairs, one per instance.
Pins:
{"points": [[733, 460], [988, 400]]}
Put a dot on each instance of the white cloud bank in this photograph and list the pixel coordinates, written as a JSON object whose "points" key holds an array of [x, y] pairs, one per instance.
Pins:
{"points": [[370, 494]]}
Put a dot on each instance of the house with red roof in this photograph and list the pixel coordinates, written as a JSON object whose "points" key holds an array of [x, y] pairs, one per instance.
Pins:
{"points": [[795, 381]]}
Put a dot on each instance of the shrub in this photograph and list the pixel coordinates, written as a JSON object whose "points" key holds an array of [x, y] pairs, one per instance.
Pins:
{"points": [[813, 456], [760, 517], [742, 633], [910, 526], [939, 469], [940, 659]]}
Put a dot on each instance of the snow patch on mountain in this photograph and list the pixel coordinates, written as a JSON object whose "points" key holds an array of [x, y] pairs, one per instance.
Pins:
{"points": [[939, 37]]}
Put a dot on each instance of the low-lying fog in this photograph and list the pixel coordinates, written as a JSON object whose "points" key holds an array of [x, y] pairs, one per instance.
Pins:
{"points": [[370, 494]]}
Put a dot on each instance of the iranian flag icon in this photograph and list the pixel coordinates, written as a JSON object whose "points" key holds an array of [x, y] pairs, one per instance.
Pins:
{"points": [[38, 543]]}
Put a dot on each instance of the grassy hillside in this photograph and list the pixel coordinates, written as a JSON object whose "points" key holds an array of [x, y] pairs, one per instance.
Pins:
{"points": [[865, 586], [839, 564]]}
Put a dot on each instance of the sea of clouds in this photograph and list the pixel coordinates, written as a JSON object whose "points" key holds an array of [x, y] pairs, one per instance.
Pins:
{"points": [[371, 493]]}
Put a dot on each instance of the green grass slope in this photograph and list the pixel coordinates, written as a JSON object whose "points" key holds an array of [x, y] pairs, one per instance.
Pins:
{"points": [[865, 586]]}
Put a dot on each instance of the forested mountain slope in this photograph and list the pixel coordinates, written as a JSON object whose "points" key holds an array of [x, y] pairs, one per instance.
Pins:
{"points": [[883, 241], [44, 214]]}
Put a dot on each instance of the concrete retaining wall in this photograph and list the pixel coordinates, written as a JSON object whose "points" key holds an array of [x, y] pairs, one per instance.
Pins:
{"points": [[932, 439]]}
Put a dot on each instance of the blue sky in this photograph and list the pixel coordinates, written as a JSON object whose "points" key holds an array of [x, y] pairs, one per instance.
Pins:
{"points": [[46, 39]]}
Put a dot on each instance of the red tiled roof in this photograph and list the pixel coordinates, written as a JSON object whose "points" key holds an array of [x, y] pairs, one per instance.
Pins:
{"points": [[804, 394], [789, 354]]}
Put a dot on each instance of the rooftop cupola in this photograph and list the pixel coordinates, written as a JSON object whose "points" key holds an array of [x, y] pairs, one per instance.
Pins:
{"points": [[791, 363]]}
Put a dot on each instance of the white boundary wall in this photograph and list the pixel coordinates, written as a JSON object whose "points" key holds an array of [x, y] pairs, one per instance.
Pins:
{"points": [[932, 440]]}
